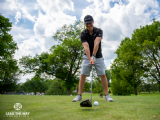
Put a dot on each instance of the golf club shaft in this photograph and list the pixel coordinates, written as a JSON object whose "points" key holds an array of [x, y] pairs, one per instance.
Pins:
{"points": [[91, 83]]}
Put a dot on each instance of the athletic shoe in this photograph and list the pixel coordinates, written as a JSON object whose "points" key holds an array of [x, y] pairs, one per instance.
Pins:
{"points": [[108, 98], [77, 98]]}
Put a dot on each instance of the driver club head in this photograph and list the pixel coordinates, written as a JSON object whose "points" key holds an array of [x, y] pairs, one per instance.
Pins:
{"points": [[86, 103]]}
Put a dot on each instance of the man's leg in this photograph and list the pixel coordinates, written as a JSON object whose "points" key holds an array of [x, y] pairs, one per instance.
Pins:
{"points": [[86, 68], [81, 83], [104, 83], [105, 87]]}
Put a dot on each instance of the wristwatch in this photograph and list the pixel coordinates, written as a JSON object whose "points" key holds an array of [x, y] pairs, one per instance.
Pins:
{"points": [[94, 55]]}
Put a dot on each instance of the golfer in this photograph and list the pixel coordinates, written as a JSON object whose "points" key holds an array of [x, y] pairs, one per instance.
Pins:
{"points": [[91, 40]]}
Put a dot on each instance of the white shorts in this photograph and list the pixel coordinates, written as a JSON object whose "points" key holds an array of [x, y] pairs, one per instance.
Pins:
{"points": [[99, 66]]}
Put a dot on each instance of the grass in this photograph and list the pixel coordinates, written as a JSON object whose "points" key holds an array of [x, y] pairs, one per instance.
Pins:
{"points": [[140, 107]]}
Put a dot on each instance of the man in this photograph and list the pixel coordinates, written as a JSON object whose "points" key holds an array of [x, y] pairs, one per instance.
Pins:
{"points": [[91, 40]]}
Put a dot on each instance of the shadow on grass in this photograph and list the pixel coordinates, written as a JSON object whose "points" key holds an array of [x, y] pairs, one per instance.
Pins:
{"points": [[87, 109]]}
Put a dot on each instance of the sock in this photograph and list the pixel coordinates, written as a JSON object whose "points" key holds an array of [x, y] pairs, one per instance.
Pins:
{"points": [[106, 94], [79, 94]]}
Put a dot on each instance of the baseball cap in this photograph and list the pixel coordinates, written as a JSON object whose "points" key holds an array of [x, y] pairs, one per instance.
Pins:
{"points": [[88, 19]]}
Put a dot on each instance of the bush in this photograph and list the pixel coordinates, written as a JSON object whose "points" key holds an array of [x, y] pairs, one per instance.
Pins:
{"points": [[109, 91], [147, 87], [98, 87], [121, 87], [56, 88], [74, 93]]}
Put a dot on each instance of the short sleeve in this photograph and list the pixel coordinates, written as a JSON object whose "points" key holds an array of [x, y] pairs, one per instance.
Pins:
{"points": [[83, 38], [99, 33]]}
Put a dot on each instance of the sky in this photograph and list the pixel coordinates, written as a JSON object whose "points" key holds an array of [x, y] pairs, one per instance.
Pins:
{"points": [[35, 21]]}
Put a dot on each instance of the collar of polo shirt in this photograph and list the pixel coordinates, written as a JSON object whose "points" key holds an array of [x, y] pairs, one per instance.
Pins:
{"points": [[93, 30]]}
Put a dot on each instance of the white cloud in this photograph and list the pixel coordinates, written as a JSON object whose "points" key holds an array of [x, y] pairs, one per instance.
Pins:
{"points": [[53, 19], [25, 77], [19, 9], [155, 12], [40, 38], [51, 7], [27, 15], [17, 17], [21, 36], [18, 32], [108, 63], [29, 47], [26, 42], [13, 4], [9, 7]]}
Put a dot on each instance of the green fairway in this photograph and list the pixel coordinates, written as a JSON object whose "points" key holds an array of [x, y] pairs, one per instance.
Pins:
{"points": [[141, 107]]}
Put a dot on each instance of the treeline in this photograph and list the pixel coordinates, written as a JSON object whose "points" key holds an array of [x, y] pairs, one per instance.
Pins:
{"points": [[57, 87], [138, 59]]}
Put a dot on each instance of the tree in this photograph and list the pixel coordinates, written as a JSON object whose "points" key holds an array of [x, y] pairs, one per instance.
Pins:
{"points": [[9, 70], [19, 87], [66, 57], [48, 83], [147, 87], [108, 75], [129, 59], [141, 87], [36, 84], [140, 55], [98, 88], [63, 60], [56, 88], [119, 86], [87, 86], [148, 39]]}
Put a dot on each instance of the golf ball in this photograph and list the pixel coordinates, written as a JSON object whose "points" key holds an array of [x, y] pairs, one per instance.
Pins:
{"points": [[95, 103]]}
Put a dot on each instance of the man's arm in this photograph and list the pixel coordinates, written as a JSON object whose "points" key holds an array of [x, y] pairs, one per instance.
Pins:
{"points": [[87, 51], [96, 45], [86, 48]]}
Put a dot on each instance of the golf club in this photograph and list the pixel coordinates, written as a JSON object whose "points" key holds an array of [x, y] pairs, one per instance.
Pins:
{"points": [[88, 102]]}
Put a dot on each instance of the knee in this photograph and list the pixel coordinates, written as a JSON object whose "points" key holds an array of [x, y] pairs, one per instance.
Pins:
{"points": [[83, 76], [102, 76]]}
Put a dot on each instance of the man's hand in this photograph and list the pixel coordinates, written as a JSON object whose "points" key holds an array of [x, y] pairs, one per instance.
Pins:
{"points": [[92, 60]]}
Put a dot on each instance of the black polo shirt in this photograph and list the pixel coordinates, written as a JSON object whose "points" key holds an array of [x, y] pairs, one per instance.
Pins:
{"points": [[86, 37]]}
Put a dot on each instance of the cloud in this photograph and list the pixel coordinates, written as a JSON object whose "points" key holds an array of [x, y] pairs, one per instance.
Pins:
{"points": [[21, 36], [50, 7], [50, 19], [27, 15], [28, 47], [19, 9], [9, 7], [18, 32], [17, 17], [26, 42], [25, 77]]}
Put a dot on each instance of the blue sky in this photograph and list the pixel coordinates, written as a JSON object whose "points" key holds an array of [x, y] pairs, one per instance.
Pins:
{"points": [[35, 21]]}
